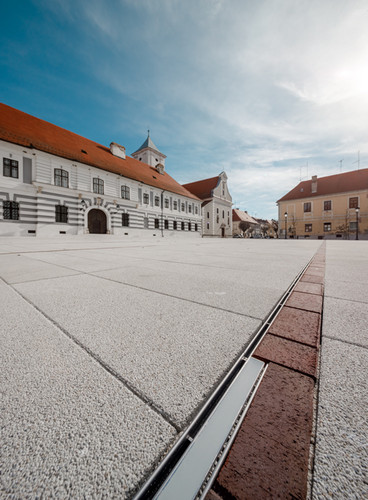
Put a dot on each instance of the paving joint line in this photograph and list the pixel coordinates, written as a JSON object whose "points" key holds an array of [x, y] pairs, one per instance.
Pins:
{"points": [[176, 297], [345, 341], [160, 411], [94, 275], [346, 300]]}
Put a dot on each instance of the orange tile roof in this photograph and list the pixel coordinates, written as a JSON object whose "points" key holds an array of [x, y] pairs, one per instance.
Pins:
{"points": [[202, 189], [26, 130], [356, 180]]}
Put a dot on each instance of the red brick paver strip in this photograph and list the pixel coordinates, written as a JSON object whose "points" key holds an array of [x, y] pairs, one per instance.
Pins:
{"points": [[315, 271], [272, 446], [311, 278], [315, 288], [298, 325], [305, 301], [299, 357]]}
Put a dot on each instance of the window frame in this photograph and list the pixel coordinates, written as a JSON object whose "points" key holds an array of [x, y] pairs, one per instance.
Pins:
{"points": [[98, 185], [308, 228], [354, 202], [145, 198], [125, 219], [61, 177], [175, 225], [325, 225], [327, 203], [125, 192], [157, 201], [166, 202], [157, 223], [307, 207], [166, 224], [61, 214], [12, 209], [13, 166], [175, 205]]}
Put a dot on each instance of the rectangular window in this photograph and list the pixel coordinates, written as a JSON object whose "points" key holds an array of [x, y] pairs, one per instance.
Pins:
{"points": [[195, 227], [157, 224], [327, 227], [145, 198], [190, 209], [182, 207], [175, 225], [352, 226], [196, 210], [10, 168], [353, 202], [208, 225], [217, 219], [157, 201], [125, 192], [208, 215], [61, 178], [327, 205], [189, 226], [182, 226], [308, 207], [308, 228], [125, 219], [175, 205], [11, 210], [61, 213], [98, 186], [166, 202], [27, 170], [166, 223]]}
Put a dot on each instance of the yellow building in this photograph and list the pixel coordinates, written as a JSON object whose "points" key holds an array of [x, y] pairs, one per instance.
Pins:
{"points": [[327, 207]]}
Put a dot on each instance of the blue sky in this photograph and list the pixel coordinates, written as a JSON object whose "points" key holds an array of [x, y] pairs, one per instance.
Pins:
{"points": [[269, 90]]}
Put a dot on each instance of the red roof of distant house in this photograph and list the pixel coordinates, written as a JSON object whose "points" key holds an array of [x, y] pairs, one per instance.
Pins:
{"points": [[240, 215], [356, 180], [202, 189], [26, 130]]}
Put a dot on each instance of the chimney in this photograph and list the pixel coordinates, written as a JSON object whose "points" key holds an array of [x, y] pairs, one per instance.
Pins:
{"points": [[117, 150], [314, 183]]}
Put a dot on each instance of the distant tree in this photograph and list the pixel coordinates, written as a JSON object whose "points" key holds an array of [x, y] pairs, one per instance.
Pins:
{"points": [[344, 228], [275, 227], [264, 229], [244, 226]]}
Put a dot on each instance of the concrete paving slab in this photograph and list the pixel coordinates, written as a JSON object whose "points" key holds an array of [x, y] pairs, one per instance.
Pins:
{"points": [[346, 320], [349, 290], [69, 429], [340, 469], [244, 292], [171, 350], [18, 268]]}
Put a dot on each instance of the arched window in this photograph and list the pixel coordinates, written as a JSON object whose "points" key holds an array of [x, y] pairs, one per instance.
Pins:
{"points": [[61, 177]]}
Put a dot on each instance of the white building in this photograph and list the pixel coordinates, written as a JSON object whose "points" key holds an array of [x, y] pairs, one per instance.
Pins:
{"points": [[55, 182], [216, 205]]}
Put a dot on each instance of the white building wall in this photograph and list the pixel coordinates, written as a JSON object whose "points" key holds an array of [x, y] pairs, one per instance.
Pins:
{"points": [[37, 201]]}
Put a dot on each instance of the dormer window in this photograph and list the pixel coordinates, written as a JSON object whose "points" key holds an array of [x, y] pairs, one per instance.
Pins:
{"points": [[61, 177]]}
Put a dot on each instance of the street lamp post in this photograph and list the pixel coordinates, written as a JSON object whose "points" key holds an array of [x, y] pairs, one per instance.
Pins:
{"points": [[356, 223], [285, 225]]}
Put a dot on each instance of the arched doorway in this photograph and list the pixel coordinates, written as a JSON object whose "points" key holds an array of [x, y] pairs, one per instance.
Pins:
{"points": [[97, 223]]}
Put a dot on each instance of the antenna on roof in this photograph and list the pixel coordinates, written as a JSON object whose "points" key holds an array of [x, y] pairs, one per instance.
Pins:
{"points": [[148, 132], [358, 160], [340, 161]]}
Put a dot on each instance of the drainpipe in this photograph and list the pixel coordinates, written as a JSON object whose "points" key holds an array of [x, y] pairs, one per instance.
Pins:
{"points": [[162, 213]]}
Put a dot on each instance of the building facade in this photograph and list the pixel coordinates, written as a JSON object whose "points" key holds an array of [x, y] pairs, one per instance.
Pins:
{"points": [[216, 205], [335, 206], [240, 216], [53, 182]]}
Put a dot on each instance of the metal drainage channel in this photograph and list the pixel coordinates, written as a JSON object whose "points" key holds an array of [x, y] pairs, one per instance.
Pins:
{"points": [[191, 466]]}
